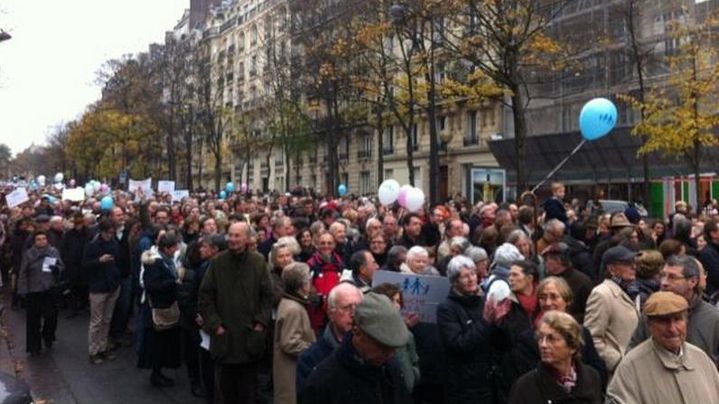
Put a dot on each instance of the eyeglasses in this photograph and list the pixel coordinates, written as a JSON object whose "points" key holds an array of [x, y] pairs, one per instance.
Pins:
{"points": [[550, 338], [671, 277]]}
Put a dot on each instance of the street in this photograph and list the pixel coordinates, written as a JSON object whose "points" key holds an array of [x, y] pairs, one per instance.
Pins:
{"points": [[65, 376]]}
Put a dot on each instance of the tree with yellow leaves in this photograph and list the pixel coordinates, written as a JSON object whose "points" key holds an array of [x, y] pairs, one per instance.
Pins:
{"points": [[680, 116]]}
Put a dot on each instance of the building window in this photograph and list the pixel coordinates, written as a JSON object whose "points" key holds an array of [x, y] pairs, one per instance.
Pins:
{"points": [[345, 179], [415, 137], [388, 141], [388, 174], [471, 137], [365, 150], [253, 66], [365, 186], [253, 35]]}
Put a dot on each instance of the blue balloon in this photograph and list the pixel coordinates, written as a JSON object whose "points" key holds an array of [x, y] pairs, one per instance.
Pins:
{"points": [[230, 187], [342, 189], [223, 194], [106, 203], [597, 118]]}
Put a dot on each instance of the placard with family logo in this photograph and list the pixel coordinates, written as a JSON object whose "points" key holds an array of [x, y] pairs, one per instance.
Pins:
{"points": [[421, 294]]}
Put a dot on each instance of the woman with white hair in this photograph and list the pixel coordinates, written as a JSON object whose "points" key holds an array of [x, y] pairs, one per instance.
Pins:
{"points": [[418, 262], [467, 327]]}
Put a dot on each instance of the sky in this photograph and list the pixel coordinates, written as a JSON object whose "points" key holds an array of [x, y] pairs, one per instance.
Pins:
{"points": [[48, 69]]}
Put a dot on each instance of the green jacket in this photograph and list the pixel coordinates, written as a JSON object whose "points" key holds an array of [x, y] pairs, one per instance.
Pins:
{"points": [[236, 292]]}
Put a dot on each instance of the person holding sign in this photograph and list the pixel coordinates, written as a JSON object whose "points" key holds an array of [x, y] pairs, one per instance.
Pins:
{"points": [[39, 273]]}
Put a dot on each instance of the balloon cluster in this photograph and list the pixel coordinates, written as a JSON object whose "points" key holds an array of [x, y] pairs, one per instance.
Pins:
{"points": [[406, 196]]}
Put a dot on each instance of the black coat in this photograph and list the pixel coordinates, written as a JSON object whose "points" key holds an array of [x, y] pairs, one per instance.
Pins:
{"points": [[466, 340], [554, 209], [160, 282], [72, 249], [709, 257], [581, 257], [581, 286], [101, 277], [539, 387], [344, 379]]}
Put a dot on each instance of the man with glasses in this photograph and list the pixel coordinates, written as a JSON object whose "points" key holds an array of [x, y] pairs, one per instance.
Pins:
{"points": [[611, 314], [341, 303], [681, 275]]}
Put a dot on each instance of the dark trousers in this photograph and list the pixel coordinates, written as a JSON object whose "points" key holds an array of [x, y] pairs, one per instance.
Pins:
{"points": [[123, 310], [207, 369], [191, 354], [237, 383], [41, 320]]}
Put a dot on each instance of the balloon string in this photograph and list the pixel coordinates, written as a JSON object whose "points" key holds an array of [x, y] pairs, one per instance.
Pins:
{"points": [[560, 165]]}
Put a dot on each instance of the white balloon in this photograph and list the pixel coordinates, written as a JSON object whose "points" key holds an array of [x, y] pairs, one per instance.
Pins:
{"points": [[59, 177], [388, 192], [96, 186], [415, 199], [41, 180], [89, 189]]}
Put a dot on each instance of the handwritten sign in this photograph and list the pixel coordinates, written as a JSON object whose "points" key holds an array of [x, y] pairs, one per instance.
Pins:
{"points": [[165, 186], [145, 185], [73, 194], [178, 194], [17, 197], [421, 294]]}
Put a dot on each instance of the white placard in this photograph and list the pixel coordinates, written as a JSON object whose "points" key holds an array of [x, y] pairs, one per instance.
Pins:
{"points": [[47, 263], [421, 294], [17, 197], [205, 342], [165, 186], [73, 194], [145, 185], [178, 194]]}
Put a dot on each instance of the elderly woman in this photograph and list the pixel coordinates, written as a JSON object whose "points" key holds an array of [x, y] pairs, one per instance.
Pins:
{"points": [[554, 294], [561, 377], [418, 262], [39, 273], [481, 260], [281, 255], [467, 328], [293, 332]]}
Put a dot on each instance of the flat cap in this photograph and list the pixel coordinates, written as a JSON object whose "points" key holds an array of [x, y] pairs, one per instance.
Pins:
{"points": [[664, 303], [378, 317], [618, 254], [620, 220]]}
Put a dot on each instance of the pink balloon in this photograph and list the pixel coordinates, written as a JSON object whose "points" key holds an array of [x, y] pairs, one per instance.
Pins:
{"points": [[243, 187], [402, 198], [103, 188]]}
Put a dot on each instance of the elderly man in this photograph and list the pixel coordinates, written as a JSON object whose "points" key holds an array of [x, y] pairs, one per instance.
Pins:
{"points": [[681, 275], [343, 246], [235, 301], [361, 370], [455, 228], [558, 263], [341, 304], [553, 233], [281, 227], [665, 368], [611, 313]]}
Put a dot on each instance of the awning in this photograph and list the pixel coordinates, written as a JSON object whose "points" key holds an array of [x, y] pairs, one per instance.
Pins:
{"points": [[612, 158]]}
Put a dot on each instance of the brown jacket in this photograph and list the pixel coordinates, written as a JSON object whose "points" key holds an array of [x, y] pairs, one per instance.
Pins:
{"points": [[293, 334], [611, 318]]}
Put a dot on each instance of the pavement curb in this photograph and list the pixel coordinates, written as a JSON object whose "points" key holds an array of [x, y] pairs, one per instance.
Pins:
{"points": [[8, 363]]}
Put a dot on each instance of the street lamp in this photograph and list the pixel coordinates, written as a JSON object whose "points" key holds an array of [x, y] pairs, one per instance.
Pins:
{"points": [[4, 36]]}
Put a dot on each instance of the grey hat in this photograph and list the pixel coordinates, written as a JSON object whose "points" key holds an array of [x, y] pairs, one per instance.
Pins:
{"points": [[377, 317], [618, 254]]}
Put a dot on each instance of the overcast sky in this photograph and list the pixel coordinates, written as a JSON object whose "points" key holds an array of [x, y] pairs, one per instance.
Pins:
{"points": [[48, 69]]}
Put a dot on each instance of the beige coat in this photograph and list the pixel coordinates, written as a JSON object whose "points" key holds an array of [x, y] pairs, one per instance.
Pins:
{"points": [[611, 317], [293, 334], [650, 374]]}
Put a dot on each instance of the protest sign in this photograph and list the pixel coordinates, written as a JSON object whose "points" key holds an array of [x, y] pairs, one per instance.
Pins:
{"points": [[73, 194], [16, 197], [178, 194], [145, 185], [165, 186], [421, 294]]}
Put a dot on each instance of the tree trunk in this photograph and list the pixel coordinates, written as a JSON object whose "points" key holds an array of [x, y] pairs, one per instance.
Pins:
{"points": [[218, 170], [380, 146], [433, 138], [697, 153], [520, 138]]}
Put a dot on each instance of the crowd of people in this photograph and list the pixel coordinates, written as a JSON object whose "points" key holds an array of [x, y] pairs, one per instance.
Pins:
{"points": [[272, 297]]}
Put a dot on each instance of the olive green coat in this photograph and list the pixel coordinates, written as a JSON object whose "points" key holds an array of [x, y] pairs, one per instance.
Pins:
{"points": [[236, 292]]}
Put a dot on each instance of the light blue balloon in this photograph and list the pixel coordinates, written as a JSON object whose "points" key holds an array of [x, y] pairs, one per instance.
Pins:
{"points": [[342, 189], [223, 194], [230, 187], [598, 118], [106, 203]]}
